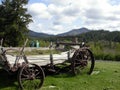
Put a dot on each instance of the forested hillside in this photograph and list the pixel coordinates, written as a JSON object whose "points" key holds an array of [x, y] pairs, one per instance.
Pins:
{"points": [[95, 35], [101, 35]]}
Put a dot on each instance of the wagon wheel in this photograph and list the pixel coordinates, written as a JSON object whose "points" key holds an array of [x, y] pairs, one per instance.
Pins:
{"points": [[82, 62], [30, 77]]}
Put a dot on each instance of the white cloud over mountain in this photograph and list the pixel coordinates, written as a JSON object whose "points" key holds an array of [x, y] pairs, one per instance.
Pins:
{"points": [[57, 16]]}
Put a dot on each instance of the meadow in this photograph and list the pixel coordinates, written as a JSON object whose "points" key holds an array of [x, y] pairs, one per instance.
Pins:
{"points": [[106, 76]]}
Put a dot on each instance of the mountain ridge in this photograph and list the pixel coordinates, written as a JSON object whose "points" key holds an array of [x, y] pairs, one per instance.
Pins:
{"points": [[39, 35], [72, 32]]}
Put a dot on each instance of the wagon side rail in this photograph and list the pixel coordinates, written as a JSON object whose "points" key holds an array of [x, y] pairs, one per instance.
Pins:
{"points": [[22, 50]]}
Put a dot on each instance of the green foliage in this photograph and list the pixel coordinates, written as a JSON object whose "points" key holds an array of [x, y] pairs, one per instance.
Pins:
{"points": [[14, 20], [103, 50], [42, 42]]}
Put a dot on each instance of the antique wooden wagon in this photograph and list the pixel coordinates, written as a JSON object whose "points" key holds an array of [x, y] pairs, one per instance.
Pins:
{"points": [[31, 69]]}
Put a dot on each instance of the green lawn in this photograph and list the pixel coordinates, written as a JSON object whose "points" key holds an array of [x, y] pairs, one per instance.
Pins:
{"points": [[106, 76]]}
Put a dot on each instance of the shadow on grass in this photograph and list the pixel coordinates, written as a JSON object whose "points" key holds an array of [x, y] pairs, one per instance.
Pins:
{"points": [[7, 80], [58, 72]]}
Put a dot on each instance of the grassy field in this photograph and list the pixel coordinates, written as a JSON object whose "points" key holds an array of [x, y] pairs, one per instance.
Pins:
{"points": [[106, 76]]}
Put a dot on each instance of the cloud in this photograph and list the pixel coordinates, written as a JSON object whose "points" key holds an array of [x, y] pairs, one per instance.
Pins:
{"points": [[54, 9], [39, 10], [58, 16]]}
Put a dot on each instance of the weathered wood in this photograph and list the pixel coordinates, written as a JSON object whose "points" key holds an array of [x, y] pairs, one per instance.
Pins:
{"points": [[64, 43], [43, 59]]}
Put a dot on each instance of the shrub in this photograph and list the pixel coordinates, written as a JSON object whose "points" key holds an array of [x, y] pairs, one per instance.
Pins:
{"points": [[117, 57]]}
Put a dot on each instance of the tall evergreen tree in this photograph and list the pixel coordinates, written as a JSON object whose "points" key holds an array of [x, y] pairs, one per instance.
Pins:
{"points": [[14, 20]]}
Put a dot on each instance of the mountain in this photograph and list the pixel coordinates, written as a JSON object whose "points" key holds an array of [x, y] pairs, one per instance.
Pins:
{"points": [[38, 35], [75, 32], [83, 34]]}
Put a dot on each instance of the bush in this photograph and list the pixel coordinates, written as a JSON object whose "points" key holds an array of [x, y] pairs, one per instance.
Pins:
{"points": [[117, 57], [109, 57], [106, 50]]}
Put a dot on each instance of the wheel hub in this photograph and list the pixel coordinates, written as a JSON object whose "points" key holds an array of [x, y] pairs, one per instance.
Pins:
{"points": [[32, 76]]}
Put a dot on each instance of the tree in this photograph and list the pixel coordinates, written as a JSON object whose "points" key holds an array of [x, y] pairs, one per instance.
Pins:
{"points": [[14, 21]]}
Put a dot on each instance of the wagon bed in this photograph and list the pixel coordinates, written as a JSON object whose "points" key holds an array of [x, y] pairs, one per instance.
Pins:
{"points": [[42, 60]]}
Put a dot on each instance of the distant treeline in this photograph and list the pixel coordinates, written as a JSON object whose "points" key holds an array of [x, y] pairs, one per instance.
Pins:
{"points": [[93, 36], [101, 35]]}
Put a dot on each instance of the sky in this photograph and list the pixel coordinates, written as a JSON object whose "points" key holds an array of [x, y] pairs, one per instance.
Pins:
{"points": [[59, 16]]}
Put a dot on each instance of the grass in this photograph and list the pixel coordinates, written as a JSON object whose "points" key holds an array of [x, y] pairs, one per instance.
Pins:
{"points": [[106, 76]]}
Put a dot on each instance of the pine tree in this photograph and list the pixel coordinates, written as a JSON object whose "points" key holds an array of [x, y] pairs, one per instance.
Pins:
{"points": [[14, 20]]}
